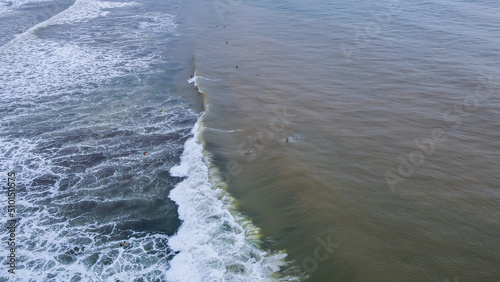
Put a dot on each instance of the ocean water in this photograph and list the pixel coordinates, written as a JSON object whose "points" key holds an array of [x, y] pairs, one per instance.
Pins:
{"points": [[372, 128], [96, 109]]}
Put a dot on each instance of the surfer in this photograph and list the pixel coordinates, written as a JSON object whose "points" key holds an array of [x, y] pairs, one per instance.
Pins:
{"points": [[286, 140]]}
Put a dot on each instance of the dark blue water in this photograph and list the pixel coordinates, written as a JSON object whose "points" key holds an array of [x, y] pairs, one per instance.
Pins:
{"points": [[92, 120]]}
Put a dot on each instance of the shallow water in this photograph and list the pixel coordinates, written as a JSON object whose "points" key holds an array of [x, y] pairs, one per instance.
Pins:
{"points": [[391, 110]]}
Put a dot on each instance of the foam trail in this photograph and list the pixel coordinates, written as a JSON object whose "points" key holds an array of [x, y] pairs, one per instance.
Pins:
{"points": [[196, 78], [211, 243]]}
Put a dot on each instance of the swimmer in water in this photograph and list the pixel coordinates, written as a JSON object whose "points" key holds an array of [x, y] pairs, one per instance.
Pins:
{"points": [[286, 140]]}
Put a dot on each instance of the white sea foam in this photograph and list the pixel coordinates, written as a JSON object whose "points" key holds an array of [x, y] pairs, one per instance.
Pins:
{"points": [[51, 245], [80, 11], [211, 242], [196, 78], [84, 10], [33, 69], [31, 66], [8, 5], [83, 65], [222, 130]]}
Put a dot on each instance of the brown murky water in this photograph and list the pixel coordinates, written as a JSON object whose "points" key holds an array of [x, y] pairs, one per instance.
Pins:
{"points": [[391, 110]]}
